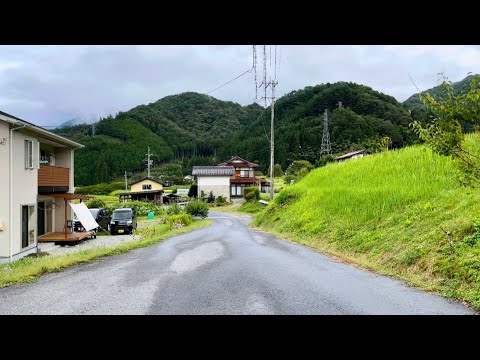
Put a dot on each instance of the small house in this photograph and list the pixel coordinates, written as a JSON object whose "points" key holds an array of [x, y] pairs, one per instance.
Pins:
{"points": [[146, 189], [215, 179]]}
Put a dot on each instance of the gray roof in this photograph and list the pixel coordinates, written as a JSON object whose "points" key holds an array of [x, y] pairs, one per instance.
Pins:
{"points": [[39, 130], [213, 170], [350, 154]]}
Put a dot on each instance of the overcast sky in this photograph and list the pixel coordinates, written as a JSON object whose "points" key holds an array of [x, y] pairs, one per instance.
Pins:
{"points": [[48, 85]]}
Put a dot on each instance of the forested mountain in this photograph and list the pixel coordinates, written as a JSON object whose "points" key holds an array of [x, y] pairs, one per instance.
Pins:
{"points": [[363, 118], [197, 128], [414, 102]]}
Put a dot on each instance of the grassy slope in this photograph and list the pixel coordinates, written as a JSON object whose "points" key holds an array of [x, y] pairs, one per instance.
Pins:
{"points": [[29, 269], [384, 212]]}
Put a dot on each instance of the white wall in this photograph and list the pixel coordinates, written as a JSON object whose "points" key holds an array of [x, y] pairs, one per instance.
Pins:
{"points": [[25, 187], [4, 176], [219, 185]]}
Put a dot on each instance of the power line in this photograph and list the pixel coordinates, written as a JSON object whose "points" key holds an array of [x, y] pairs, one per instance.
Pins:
{"points": [[228, 82]]}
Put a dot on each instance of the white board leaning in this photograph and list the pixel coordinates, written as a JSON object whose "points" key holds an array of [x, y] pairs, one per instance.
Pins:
{"points": [[84, 215]]}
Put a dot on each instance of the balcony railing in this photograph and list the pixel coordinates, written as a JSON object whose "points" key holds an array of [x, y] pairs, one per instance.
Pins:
{"points": [[53, 176]]}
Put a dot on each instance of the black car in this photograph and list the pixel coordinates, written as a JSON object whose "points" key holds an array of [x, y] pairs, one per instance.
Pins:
{"points": [[101, 216], [124, 221]]}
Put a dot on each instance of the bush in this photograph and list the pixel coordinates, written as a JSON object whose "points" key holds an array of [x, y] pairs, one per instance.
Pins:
{"points": [[251, 193], [211, 197], [324, 161], [221, 199], [174, 209], [100, 189], [142, 208], [193, 192], [197, 208], [95, 203], [288, 179], [179, 220]]}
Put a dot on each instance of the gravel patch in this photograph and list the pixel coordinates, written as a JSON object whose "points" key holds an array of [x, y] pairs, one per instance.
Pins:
{"points": [[106, 241]]}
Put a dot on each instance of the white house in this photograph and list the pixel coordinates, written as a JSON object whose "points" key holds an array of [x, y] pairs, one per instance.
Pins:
{"points": [[215, 179], [36, 181]]}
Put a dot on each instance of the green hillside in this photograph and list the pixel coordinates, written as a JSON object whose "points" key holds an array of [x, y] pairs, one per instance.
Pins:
{"points": [[365, 116], [204, 130], [384, 212], [414, 102]]}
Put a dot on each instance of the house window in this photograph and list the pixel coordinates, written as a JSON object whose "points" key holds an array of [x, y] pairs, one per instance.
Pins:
{"points": [[236, 190], [243, 173], [28, 154], [28, 225], [147, 187]]}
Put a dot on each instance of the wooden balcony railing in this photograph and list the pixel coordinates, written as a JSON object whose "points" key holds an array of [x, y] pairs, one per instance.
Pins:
{"points": [[53, 176]]}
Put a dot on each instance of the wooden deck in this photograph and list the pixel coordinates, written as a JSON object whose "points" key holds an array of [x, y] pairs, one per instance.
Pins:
{"points": [[60, 236]]}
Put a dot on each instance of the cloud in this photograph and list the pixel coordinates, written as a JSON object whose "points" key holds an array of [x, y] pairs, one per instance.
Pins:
{"points": [[52, 84]]}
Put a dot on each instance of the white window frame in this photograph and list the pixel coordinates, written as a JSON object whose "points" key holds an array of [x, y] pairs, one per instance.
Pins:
{"points": [[243, 172], [30, 226], [29, 154]]}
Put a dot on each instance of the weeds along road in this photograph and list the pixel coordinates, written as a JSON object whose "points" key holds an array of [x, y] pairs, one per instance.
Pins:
{"points": [[225, 268]]}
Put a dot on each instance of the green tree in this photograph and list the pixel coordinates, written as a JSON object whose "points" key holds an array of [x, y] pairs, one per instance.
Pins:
{"points": [[193, 192], [443, 132]]}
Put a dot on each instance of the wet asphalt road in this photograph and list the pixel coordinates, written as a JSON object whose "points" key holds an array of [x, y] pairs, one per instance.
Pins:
{"points": [[225, 268]]}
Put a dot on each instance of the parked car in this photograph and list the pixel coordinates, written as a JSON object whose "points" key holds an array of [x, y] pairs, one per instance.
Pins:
{"points": [[124, 221], [101, 216]]}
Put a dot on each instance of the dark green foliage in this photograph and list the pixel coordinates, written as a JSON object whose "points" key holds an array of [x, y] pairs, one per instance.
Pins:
{"points": [[221, 199], [296, 167], [324, 161], [211, 197], [174, 209], [100, 189], [193, 192], [95, 203], [277, 170], [197, 208], [251, 193]]}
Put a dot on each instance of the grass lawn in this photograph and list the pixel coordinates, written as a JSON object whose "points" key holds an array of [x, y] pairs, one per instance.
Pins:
{"points": [[29, 268]]}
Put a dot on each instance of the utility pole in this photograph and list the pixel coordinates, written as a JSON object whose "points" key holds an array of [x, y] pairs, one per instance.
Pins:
{"points": [[126, 186], [93, 130], [272, 140], [272, 82], [326, 148], [149, 162]]}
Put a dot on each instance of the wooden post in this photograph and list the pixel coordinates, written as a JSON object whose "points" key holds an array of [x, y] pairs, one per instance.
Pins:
{"points": [[65, 218]]}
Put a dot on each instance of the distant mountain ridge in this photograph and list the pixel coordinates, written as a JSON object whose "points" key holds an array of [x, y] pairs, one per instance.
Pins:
{"points": [[202, 129], [414, 102]]}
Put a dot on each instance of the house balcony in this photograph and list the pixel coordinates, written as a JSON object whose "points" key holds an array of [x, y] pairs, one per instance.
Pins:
{"points": [[53, 179]]}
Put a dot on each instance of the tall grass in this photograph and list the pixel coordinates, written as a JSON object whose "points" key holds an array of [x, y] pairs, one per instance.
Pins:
{"points": [[385, 212]]}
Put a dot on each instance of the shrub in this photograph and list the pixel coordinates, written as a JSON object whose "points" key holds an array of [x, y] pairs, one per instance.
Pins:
{"points": [[95, 203], [251, 193], [288, 179], [179, 220], [211, 197], [174, 209], [193, 192], [142, 208], [100, 189], [197, 208], [221, 199]]}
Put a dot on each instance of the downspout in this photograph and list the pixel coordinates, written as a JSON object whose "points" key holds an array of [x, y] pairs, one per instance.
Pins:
{"points": [[10, 192]]}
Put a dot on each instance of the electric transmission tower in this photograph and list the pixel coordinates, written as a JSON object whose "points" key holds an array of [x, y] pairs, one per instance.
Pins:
{"points": [[326, 148]]}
